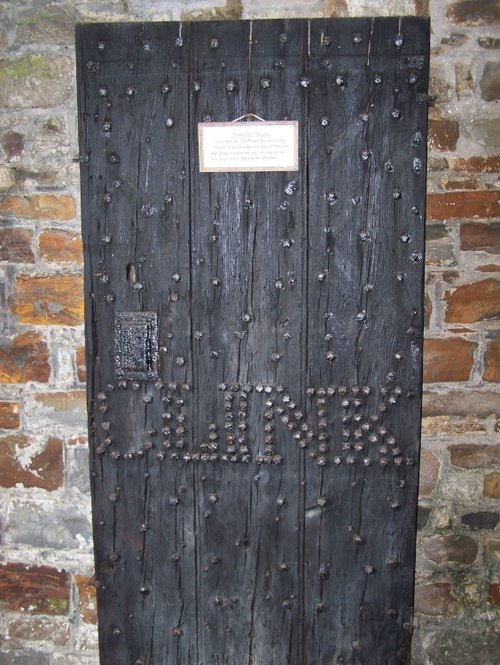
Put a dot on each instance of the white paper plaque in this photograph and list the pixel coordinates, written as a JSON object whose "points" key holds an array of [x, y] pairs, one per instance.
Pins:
{"points": [[249, 146]]}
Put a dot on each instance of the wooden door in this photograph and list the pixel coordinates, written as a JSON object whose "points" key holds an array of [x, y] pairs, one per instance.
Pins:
{"points": [[254, 341]]}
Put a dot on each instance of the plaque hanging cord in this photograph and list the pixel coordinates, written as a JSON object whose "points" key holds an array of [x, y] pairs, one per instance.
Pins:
{"points": [[249, 72]]}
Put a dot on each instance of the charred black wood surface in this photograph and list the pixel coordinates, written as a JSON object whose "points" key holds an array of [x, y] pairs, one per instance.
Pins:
{"points": [[254, 341]]}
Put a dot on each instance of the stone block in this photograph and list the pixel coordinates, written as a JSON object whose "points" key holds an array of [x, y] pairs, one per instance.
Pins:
{"points": [[434, 599], [423, 514], [450, 548], [15, 245], [464, 81], [438, 245], [475, 455], [429, 472], [232, 9], [59, 525], [81, 368], [47, 24], [459, 183], [448, 359], [63, 407], [437, 164], [494, 593], [24, 176], [77, 469], [492, 360], [87, 601], [38, 629], [25, 359], [489, 42], [24, 657], [464, 645], [492, 545], [31, 463], [34, 589], [61, 246], [477, 236], [9, 415], [35, 81], [474, 12], [490, 81], [436, 425], [475, 403], [485, 131], [57, 207], [463, 205], [443, 134], [482, 520], [492, 486], [475, 302], [48, 299], [12, 145]]}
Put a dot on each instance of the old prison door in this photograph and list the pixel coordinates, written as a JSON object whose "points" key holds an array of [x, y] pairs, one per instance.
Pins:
{"points": [[254, 341]]}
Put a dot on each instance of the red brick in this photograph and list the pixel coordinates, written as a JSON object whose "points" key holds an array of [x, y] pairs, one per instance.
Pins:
{"points": [[39, 630], [9, 415], [475, 456], [429, 472], [87, 601], [15, 245], [443, 134], [448, 360], [422, 8], [434, 599], [34, 589], [474, 12], [492, 486], [48, 299], [492, 360], [61, 246], [488, 164], [42, 468], [473, 302], [490, 267], [81, 368], [26, 360], [494, 593], [59, 207], [459, 549], [463, 205], [477, 236]]}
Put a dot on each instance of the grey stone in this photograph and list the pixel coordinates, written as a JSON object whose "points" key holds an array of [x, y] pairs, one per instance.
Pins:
{"points": [[490, 81], [56, 525], [35, 80], [481, 520], [77, 468], [465, 646], [423, 515], [25, 657], [485, 131], [47, 23]]}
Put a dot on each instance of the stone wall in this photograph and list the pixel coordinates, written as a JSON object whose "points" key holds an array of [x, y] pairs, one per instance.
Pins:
{"points": [[48, 604]]}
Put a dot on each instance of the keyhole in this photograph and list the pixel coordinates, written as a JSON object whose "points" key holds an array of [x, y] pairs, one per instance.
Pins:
{"points": [[131, 274]]}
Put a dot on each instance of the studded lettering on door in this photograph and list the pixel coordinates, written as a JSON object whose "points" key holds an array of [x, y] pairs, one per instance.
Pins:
{"points": [[254, 341]]}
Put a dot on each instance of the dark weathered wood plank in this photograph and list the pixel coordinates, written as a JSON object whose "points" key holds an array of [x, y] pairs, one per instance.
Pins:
{"points": [[361, 314]]}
